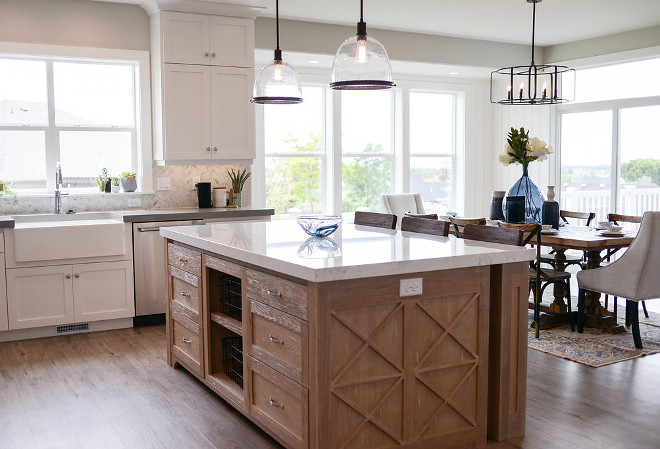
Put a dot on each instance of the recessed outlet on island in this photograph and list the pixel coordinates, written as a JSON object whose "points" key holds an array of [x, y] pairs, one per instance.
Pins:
{"points": [[410, 287]]}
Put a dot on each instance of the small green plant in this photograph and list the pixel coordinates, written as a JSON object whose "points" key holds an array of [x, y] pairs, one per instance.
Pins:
{"points": [[5, 190], [238, 178], [128, 174], [115, 181], [102, 179]]}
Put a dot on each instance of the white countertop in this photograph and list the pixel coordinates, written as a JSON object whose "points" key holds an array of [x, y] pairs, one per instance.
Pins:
{"points": [[351, 252]]}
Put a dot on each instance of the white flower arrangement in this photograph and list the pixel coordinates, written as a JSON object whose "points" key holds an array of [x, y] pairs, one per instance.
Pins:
{"points": [[520, 149]]}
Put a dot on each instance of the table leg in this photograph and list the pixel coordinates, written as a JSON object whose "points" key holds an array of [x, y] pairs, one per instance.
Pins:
{"points": [[558, 311], [596, 315]]}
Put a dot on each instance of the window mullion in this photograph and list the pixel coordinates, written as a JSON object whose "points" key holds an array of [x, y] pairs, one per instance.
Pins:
{"points": [[616, 169], [52, 134]]}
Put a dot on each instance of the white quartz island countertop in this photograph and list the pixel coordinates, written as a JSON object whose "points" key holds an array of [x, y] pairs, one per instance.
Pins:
{"points": [[351, 252]]}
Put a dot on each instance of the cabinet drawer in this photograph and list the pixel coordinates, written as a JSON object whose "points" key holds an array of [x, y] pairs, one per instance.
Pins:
{"points": [[185, 259], [278, 402], [279, 340], [185, 291], [279, 293], [186, 342]]}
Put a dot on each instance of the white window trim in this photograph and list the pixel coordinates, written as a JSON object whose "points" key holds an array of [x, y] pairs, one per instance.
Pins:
{"points": [[142, 93]]}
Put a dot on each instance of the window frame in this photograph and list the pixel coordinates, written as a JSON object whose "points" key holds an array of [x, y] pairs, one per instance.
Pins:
{"points": [[140, 134], [463, 92]]}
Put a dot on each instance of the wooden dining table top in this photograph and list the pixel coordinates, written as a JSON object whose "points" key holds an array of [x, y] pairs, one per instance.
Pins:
{"points": [[584, 238]]}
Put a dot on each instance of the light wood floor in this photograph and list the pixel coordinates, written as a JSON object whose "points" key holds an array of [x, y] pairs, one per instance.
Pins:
{"points": [[114, 390]]}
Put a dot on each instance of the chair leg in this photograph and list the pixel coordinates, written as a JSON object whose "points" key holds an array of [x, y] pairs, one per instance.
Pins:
{"points": [[628, 314], [615, 307], [582, 295], [568, 301], [646, 314], [634, 311]]}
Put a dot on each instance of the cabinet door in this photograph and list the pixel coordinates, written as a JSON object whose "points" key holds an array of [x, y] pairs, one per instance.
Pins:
{"points": [[186, 112], [232, 114], [4, 324], [185, 38], [232, 41], [40, 296], [103, 291]]}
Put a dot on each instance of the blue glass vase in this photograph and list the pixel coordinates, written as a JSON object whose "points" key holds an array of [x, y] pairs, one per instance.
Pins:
{"points": [[533, 197]]}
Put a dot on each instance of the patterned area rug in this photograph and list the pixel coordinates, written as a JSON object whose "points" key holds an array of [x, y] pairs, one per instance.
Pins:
{"points": [[596, 348]]}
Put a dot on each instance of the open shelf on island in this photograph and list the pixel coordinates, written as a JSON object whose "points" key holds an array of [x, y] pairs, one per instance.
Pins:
{"points": [[228, 322]]}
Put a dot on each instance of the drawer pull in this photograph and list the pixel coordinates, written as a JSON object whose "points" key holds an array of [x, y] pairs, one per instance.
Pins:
{"points": [[185, 294], [68, 276], [183, 260], [275, 340], [273, 293], [186, 341], [275, 404], [206, 54]]}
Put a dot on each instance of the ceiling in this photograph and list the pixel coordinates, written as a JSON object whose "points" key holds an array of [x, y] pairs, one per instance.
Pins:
{"points": [[558, 21]]}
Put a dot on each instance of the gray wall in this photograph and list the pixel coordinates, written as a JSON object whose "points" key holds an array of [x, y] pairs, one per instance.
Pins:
{"points": [[82, 23]]}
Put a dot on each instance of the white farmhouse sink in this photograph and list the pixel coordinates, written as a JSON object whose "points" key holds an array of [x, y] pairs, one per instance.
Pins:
{"points": [[54, 237]]}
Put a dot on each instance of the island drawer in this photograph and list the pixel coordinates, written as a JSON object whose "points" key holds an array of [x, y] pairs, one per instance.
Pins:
{"points": [[276, 292], [278, 402], [279, 340], [185, 259], [185, 290], [186, 343]]}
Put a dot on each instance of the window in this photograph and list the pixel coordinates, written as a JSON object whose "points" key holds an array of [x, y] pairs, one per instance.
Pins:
{"points": [[83, 112], [610, 150], [339, 151]]}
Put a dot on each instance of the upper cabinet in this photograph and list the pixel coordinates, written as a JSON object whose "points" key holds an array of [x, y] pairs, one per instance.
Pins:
{"points": [[207, 40], [202, 69]]}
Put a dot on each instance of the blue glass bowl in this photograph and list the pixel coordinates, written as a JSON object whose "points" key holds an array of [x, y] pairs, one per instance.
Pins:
{"points": [[319, 225]]}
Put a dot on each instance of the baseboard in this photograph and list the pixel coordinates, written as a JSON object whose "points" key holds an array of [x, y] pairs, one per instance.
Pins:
{"points": [[51, 331], [149, 320]]}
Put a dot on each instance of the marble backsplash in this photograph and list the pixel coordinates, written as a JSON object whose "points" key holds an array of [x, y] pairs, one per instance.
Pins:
{"points": [[180, 195]]}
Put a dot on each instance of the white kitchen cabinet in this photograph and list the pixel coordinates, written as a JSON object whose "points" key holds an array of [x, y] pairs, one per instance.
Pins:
{"points": [[207, 113], [44, 296], [40, 296], [207, 40]]}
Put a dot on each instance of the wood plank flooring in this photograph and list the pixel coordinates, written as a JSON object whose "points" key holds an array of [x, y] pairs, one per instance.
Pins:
{"points": [[114, 389]]}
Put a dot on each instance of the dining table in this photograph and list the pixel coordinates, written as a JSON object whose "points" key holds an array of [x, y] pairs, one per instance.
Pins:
{"points": [[592, 242]]}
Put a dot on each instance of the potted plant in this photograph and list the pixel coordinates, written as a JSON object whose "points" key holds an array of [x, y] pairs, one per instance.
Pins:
{"points": [[128, 181], [5, 190], [103, 181], [115, 185], [238, 179]]}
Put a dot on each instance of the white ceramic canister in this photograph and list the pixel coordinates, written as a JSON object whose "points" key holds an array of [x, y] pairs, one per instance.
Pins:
{"points": [[219, 197]]}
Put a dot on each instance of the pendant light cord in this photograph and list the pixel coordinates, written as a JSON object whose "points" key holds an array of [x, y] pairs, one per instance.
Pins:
{"points": [[533, 29], [361, 10], [277, 23]]}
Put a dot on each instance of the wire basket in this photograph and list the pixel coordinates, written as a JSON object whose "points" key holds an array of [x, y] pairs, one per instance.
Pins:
{"points": [[232, 360], [230, 297]]}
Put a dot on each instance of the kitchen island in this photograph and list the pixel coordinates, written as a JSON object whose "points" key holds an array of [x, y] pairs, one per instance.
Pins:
{"points": [[368, 339]]}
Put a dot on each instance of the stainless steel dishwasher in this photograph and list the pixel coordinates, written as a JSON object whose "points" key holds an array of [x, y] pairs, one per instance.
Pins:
{"points": [[149, 268]]}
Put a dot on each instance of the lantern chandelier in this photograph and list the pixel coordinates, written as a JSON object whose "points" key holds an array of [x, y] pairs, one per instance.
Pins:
{"points": [[361, 63], [277, 82], [533, 84]]}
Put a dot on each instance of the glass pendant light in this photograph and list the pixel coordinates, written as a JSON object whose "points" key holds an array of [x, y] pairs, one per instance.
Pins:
{"points": [[531, 84], [277, 82], [361, 63]]}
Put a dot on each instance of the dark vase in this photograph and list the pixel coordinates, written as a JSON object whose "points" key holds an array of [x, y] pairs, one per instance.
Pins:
{"points": [[496, 210], [550, 211], [526, 188], [108, 186]]}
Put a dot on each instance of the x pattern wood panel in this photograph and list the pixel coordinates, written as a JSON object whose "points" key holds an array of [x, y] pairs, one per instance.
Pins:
{"points": [[367, 371]]}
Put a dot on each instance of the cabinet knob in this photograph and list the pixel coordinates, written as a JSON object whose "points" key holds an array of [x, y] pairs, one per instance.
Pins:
{"points": [[76, 275], [215, 149], [68, 276], [185, 294], [274, 403], [208, 148], [213, 55], [206, 54], [183, 260], [275, 340]]}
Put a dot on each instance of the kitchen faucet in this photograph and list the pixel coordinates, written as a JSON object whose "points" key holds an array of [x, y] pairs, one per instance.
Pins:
{"points": [[58, 188]]}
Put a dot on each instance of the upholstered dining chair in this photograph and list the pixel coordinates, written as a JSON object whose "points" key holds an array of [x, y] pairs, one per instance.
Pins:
{"points": [[571, 258], [616, 219], [425, 226], [375, 219], [401, 203], [633, 276]]}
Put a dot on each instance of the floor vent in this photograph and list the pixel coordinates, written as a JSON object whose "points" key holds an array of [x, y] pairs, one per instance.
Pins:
{"points": [[68, 328]]}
